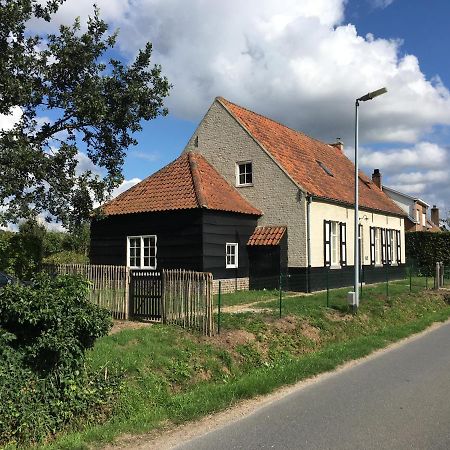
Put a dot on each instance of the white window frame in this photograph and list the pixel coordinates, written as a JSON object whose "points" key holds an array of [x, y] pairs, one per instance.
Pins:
{"points": [[424, 219], [418, 216], [238, 173], [334, 245], [378, 249], [235, 254], [142, 255], [393, 238]]}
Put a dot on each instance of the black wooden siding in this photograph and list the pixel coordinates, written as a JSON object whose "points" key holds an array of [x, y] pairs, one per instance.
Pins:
{"points": [[220, 228], [179, 238], [186, 239]]}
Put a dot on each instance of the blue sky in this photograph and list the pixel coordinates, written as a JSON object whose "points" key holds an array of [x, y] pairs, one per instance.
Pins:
{"points": [[303, 64]]}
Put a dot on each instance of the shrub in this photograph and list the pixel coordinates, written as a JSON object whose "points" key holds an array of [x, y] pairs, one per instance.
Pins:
{"points": [[66, 257], [424, 249], [45, 330]]}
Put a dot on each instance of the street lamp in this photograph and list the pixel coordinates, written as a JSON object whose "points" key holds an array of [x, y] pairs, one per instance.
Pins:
{"points": [[364, 98]]}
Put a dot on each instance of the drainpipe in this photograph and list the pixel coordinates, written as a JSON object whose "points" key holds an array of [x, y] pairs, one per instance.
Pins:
{"points": [[308, 240]]}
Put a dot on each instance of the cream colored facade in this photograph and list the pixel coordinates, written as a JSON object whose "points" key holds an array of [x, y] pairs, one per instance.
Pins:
{"points": [[321, 211]]}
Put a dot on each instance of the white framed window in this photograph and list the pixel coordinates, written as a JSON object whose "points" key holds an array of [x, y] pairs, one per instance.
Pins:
{"points": [[244, 173], [377, 245], [417, 216], [141, 252], [392, 236], [231, 255], [334, 241], [424, 219]]}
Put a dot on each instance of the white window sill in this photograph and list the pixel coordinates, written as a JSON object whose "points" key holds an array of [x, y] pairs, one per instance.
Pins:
{"points": [[335, 266], [244, 185], [378, 265], [231, 267]]}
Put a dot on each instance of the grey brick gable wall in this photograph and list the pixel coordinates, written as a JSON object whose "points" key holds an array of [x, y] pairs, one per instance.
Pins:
{"points": [[223, 142]]}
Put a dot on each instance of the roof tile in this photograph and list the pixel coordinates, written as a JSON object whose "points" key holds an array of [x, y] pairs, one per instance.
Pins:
{"points": [[304, 159], [186, 183], [267, 235]]}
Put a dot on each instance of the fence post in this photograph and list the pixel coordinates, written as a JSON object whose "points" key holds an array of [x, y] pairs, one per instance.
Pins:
{"points": [[281, 292], [127, 293], [361, 281], [436, 277], [328, 287], [218, 306], [441, 274], [387, 280], [410, 278]]}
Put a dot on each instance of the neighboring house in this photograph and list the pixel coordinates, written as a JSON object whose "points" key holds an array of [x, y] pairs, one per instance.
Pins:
{"points": [[298, 190], [414, 207]]}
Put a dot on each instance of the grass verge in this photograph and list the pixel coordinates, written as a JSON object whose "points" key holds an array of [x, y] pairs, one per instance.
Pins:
{"points": [[172, 376]]}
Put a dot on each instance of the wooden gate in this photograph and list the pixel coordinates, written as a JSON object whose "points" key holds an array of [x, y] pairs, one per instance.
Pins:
{"points": [[146, 289]]}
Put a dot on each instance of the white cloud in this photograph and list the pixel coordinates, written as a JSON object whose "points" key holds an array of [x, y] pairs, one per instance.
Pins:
{"points": [[421, 170], [423, 155], [7, 121], [381, 3], [126, 184]]}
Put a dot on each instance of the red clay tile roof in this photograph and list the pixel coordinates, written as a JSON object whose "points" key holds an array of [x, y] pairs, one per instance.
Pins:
{"points": [[186, 183], [267, 236], [308, 160]]}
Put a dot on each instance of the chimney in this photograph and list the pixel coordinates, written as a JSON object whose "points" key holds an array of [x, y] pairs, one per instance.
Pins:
{"points": [[435, 215], [376, 178], [338, 144]]}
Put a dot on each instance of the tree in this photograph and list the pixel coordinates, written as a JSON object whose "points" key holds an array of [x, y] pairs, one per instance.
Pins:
{"points": [[73, 96]]}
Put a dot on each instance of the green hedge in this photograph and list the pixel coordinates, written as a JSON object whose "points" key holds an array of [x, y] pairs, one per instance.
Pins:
{"points": [[424, 249], [45, 330]]}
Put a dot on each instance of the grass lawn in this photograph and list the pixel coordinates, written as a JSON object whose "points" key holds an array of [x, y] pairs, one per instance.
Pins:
{"points": [[172, 376], [242, 297]]}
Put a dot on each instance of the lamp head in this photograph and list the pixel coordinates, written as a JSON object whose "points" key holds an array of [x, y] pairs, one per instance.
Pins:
{"points": [[372, 95]]}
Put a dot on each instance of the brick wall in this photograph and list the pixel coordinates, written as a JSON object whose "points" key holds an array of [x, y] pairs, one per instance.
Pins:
{"points": [[231, 285], [223, 142]]}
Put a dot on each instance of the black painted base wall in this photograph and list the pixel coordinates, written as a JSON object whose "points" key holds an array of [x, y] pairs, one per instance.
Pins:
{"points": [[302, 279]]}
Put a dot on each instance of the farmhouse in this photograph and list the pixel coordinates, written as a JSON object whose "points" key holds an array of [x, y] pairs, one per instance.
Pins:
{"points": [[247, 199]]}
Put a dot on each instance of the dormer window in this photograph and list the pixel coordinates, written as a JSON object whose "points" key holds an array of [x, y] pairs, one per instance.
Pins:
{"points": [[244, 173], [325, 168]]}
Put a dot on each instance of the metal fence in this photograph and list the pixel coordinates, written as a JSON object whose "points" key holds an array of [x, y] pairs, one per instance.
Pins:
{"points": [[332, 286]]}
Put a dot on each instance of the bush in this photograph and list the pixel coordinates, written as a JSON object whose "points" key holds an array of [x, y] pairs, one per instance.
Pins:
{"points": [[66, 257], [424, 249], [45, 330]]}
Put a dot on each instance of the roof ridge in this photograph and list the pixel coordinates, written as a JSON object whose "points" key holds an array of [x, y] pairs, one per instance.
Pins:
{"points": [[275, 121], [196, 180]]}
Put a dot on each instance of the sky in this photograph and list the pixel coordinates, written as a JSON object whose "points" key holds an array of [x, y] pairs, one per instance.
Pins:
{"points": [[302, 63]]}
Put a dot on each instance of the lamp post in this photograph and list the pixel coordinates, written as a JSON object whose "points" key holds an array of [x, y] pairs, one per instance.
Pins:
{"points": [[364, 98]]}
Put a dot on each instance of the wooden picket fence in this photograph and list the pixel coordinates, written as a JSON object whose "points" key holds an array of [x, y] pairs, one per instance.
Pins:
{"points": [[188, 300], [186, 297], [109, 285]]}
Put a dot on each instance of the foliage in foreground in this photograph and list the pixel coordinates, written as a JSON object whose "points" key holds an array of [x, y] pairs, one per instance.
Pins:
{"points": [[45, 330], [173, 376]]}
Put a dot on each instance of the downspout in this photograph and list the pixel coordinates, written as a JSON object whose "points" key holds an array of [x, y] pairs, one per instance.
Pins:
{"points": [[308, 242]]}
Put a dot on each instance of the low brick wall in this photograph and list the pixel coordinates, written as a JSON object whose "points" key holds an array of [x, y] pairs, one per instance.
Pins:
{"points": [[231, 285]]}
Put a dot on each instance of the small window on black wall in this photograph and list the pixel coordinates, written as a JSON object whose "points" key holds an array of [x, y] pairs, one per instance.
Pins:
{"points": [[231, 255], [244, 174]]}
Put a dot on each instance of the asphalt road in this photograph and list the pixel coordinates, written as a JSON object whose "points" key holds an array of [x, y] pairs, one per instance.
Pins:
{"points": [[397, 400]]}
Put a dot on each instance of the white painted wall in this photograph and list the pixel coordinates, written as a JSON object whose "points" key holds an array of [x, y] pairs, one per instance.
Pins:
{"points": [[321, 211]]}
